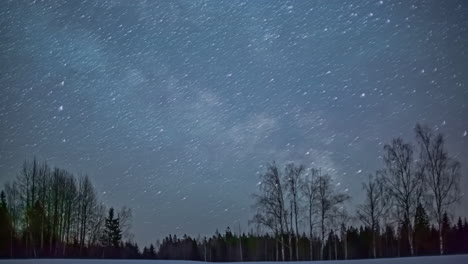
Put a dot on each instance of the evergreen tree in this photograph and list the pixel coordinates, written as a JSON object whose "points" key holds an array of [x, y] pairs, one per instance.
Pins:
{"points": [[446, 231], [151, 252], [145, 254], [112, 231], [112, 235], [421, 231], [6, 239]]}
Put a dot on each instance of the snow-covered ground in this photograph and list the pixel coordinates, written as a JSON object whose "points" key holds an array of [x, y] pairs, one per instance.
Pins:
{"points": [[462, 259]]}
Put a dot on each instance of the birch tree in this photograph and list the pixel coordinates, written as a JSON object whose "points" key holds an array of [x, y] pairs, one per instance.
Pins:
{"points": [[442, 175], [374, 207], [294, 181], [87, 204], [270, 205], [328, 199], [308, 189], [402, 182]]}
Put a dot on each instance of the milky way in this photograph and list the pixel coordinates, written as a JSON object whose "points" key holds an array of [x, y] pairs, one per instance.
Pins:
{"points": [[173, 107]]}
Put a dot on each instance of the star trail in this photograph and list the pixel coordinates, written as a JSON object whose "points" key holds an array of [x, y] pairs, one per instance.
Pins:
{"points": [[173, 107]]}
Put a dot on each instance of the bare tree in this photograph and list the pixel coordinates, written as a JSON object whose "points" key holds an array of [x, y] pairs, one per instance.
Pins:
{"points": [[97, 224], [344, 218], [49, 209], [308, 189], [294, 181], [442, 175], [87, 204], [328, 199], [374, 208], [70, 209], [270, 205], [14, 208], [27, 184], [125, 217], [403, 182], [338, 221]]}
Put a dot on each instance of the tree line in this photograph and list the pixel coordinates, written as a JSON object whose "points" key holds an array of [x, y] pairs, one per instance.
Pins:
{"points": [[415, 182], [49, 212], [299, 214]]}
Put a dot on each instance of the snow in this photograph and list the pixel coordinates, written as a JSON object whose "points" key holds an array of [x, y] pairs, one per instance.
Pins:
{"points": [[454, 259]]}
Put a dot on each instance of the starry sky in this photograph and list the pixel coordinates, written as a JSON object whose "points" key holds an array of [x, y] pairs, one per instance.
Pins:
{"points": [[173, 107]]}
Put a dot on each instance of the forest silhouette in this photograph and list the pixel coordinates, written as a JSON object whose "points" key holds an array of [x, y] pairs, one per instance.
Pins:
{"points": [[409, 209]]}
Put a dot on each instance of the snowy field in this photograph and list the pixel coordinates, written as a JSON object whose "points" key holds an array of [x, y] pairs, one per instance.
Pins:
{"points": [[416, 260]]}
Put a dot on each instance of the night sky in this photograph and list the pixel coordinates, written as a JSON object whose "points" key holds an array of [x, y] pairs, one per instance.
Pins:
{"points": [[174, 107]]}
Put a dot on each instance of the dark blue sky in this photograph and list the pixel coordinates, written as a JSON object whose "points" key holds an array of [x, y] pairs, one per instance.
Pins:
{"points": [[172, 107]]}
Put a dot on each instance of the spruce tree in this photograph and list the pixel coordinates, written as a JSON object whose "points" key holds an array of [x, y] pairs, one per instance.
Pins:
{"points": [[151, 252], [446, 227], [112, 232], [421, 231]]}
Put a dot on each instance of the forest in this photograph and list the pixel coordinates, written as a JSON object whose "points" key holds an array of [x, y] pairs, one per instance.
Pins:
{"points": [[298, 213]]}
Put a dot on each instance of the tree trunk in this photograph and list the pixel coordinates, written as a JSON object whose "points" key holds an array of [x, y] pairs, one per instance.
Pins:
{"points": [[282, 247], [322, 242], [297, 233], [11, 241], [311, 247], [441, 240], [277, 250], [410, 240], [336, 247], [345, 245], [290, 236], [374, 250]]}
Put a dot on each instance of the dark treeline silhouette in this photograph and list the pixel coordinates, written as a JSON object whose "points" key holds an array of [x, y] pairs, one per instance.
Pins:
{"points": [[49, 212], [300, 214], [346, 243]]}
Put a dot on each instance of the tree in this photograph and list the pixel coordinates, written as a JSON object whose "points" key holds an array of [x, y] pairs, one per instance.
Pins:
{"points": [[37, 220], [125, 218], [421, 230], [13, 204], [69, 212], [87, 204], [374, 208], [442, 175], [445, 226], [328, 199], [270, 206], [403, 183], [343, 218], [308, 189], [98, 224], [293, 184], [151, 252], [6, 228], [46, 212], [27, 182], [112, 231]]}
